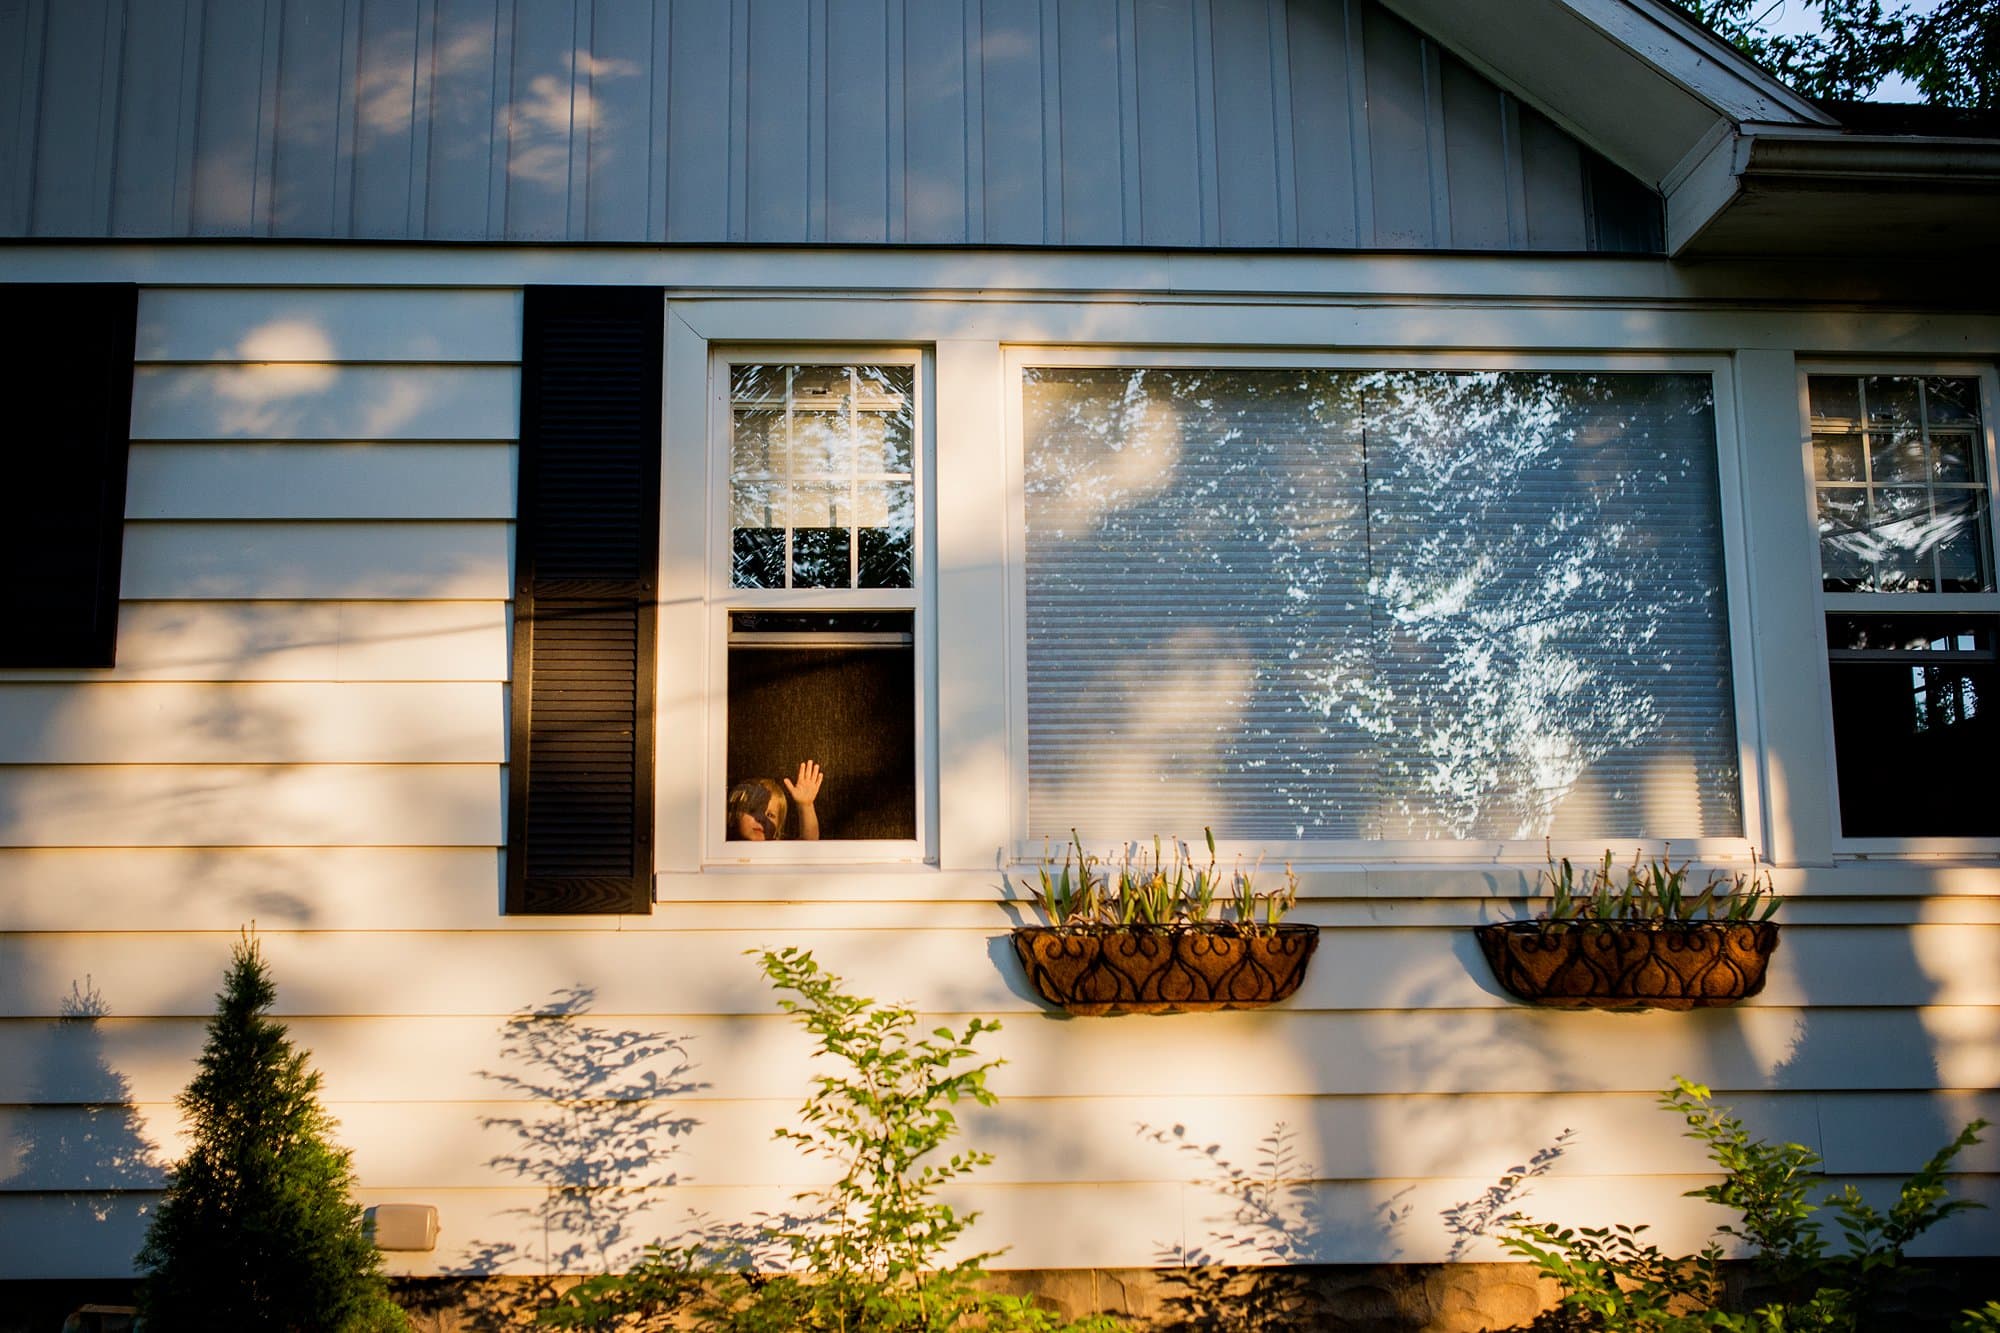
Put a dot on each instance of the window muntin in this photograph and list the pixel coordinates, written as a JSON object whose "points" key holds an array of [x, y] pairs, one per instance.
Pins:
{"points": [[1900, 479], [1320, 605], [1903, 501], [822, 475], [817, 598]]}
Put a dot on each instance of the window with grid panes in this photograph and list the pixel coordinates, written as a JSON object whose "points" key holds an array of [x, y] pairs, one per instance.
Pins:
{"points": [[823, 571], [1903, 498]]}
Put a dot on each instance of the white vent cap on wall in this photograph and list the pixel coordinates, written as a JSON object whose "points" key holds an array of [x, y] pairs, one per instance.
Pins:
{"points": [[404, 1226]]}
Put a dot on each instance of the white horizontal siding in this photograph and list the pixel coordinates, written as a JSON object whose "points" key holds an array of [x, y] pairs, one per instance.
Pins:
{"points": [[322, 401], [176, 723], [281, 888], [712, 1140], [296, 561], [368, 481], [937, 971], [237, 805], [439, 325], [281, 640], [446, 889], [1265, 1053]]}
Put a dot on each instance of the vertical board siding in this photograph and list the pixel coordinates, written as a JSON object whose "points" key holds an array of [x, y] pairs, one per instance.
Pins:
{"points": [[463, 104], [1246, 123], [698, 150], [1091, 148], [311, 67], [619, 159], [1169, 128], [776, 176], [1011, 99], [936, 181], [1236, 123], [856, 80], [1323, 164]]}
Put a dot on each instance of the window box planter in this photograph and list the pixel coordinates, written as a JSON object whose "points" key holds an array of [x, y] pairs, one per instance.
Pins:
{"points": [[1676, 965], [1094, 970]]}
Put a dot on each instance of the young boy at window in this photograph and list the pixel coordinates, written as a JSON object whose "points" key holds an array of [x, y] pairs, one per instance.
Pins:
{"points": [[757, 808]]}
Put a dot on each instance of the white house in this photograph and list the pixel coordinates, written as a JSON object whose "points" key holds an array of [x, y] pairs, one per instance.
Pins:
{"points": [[1391, 433]]}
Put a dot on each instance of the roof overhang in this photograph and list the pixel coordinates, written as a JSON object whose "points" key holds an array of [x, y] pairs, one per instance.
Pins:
{"points": [[1764, 192], [1747, 166]]}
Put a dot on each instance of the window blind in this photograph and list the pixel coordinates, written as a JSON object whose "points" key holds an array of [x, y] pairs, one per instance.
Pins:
{"points": [[1315, 604]]}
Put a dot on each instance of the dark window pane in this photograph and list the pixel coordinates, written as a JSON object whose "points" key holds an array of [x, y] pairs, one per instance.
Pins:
{"points": [[1838, 458], [1897, 455], [1844, 548], [836, 688], [819, 558], [759, 558], [1891, 399], [885, 558], [1904, 634], [1835, 398], [1951, 401], [1963, 561], [1913, 746], [1954, 456]]}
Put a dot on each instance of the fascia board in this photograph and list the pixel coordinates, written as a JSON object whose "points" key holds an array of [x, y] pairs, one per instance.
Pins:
{"points": [[1699, 61], [1633, 79]]}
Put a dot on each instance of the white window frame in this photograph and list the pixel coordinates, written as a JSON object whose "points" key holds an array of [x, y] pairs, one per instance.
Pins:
{"points": [[1915, 848], [1334, 852], [722, 598]]}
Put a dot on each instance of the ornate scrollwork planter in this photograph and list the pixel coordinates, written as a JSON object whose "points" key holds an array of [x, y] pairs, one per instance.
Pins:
{"points": [[1629, 964], [1097, 970]]}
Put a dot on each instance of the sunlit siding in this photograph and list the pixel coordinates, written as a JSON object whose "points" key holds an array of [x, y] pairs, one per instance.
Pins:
{"points": [[1235, 123], [306, 729]]}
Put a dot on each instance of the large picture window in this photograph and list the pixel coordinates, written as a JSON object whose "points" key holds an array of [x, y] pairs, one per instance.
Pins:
{"points": [[1900, 473], [1314, 604]]}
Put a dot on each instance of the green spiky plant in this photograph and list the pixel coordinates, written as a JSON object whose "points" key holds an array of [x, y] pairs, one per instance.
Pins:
{"points": [[1614, 1278], [258, 1228], [1163, 889], [870, 1258], [1656, 892]]}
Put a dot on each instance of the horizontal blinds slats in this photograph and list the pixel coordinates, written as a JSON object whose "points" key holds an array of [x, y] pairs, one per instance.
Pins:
{"points": [[1360, 604]]}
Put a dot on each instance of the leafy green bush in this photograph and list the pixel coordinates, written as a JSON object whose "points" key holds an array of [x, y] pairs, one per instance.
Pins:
{"points": [[257, 1229], [869, 1257], [1801, 1279]]}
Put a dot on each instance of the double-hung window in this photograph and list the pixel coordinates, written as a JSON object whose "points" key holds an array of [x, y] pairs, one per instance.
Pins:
{"points": [[1390, 605], [821, 645], [1902, 467]]}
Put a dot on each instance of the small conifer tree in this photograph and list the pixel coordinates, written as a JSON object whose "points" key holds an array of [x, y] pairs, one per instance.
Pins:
{"points": [[257, 1230]]}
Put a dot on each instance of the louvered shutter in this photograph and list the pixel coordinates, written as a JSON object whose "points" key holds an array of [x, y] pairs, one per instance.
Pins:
{"points": [[580, 809], [66, 378]]}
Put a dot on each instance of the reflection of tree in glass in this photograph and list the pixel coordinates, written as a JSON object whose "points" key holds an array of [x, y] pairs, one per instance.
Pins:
{"points": [[1452, 594], [1545, 556]]}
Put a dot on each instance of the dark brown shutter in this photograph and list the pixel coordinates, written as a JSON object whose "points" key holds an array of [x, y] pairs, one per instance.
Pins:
{"points": [[66, 381], [580, 807]]}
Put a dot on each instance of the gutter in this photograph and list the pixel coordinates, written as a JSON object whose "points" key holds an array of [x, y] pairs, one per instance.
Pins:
{"points": [[1851, 164]]}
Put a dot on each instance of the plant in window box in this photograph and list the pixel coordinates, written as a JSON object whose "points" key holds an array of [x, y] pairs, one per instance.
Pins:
{"points": [[1639, 938], [1161, 934]]}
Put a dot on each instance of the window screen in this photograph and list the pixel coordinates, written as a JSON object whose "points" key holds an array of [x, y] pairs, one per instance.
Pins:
{"points": [[1333, 604]]}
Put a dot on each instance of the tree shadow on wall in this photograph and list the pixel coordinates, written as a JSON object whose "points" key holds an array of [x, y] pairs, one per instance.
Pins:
{"points": [[86, 1140], [1260, 1268], [598, 1133]]}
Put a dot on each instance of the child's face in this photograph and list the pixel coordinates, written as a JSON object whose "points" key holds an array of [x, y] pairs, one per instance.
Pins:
{"points": [[757, 827]]}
